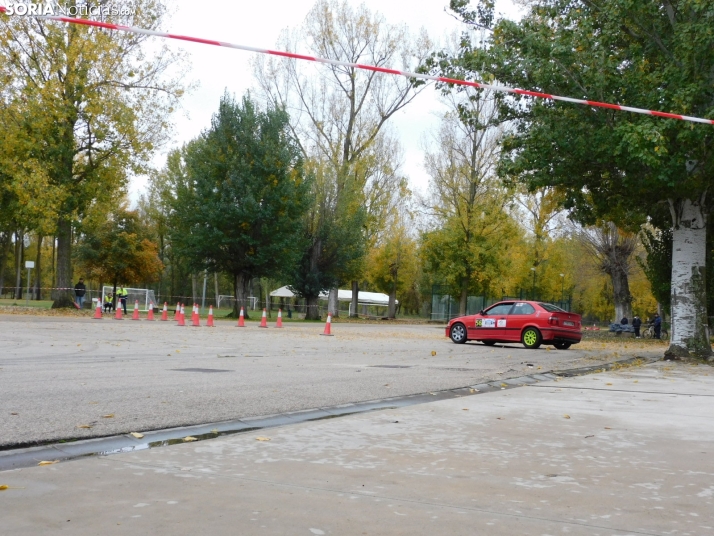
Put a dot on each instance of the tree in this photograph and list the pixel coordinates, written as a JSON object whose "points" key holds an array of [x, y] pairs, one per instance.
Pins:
{"points": [[393, 263], [94, 107], [466, 198], [342, 116], [658, 264], [614, 254], [119, 251], [332, 233], [612, 165], [241, 208]]}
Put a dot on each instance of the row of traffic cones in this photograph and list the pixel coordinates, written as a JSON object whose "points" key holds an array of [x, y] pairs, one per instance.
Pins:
{"points": [[180, 316]]}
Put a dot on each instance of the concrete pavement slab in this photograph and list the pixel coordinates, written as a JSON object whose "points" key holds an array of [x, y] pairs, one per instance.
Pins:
{"points": [[624, 452]]}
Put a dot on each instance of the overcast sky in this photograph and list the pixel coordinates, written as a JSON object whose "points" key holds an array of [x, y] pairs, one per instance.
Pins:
{"points": [[259, 24]]}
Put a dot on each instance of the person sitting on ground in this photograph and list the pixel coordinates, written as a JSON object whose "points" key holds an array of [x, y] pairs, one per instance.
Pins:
{"points": [[108, 303], [636, 323]]}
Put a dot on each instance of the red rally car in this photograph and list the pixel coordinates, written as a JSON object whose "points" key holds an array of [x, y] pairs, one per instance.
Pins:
{"points": [[529, 322]]}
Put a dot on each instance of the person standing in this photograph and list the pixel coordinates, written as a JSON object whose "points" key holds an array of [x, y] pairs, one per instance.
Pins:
{"points": [[122, 293], [623, 321], [657, 326], [636, 323], [79, 291]]}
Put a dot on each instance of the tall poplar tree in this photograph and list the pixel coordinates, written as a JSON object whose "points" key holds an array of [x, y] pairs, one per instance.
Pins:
{"points": [[94, 107]]}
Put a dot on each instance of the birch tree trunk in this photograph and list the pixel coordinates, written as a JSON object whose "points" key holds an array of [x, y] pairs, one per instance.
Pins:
{"points": [[19, 251], [690, 332]]}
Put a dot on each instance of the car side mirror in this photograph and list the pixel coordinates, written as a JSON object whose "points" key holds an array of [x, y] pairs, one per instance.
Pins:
{"points": [[481, 312]]}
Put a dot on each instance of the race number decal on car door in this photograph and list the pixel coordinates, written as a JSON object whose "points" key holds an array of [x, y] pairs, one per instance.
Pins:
{"points": [[501, 323]]}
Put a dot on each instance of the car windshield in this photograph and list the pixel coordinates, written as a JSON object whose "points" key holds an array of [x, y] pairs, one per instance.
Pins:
{"points": [[552, 308]]}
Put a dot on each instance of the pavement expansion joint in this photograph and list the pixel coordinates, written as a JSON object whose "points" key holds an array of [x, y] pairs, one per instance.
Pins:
{"points": [[70, 449]]}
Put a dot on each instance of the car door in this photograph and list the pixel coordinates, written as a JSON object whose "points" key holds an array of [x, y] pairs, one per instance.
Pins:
{"points": [[520, 315], [492, 323]]}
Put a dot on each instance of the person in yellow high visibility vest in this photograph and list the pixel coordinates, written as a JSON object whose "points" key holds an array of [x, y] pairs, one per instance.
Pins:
{"points": [[108, 303], [122, 294]]}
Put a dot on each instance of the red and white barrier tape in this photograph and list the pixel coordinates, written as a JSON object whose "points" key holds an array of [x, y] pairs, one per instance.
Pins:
{"points": [[503, 89]]}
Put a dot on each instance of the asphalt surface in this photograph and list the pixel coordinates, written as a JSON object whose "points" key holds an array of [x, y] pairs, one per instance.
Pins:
{"points": [[81, 378]]}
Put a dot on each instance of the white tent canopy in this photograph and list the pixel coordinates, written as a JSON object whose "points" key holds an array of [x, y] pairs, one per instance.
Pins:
{"points": [[363, 298]]}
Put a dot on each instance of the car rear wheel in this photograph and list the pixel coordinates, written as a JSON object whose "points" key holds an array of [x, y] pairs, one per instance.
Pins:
{"points": [[531, 338], [458, 333], [561, 345]]}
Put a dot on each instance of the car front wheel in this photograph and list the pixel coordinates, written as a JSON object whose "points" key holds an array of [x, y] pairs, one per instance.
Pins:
{"points": [[531, 338], [458, 333]]}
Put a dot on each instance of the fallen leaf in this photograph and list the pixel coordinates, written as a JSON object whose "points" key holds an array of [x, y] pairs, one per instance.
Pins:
{"points": [[86, 426], [48, 463], [188, 439], [608, 428], [214, 431], [4, 487], [109, 416], [433, 352], [466, 409], [608, 384], [566, 416], [589, 436], [261, 438], [14, 414], [504, 385], [500, 418], [137, 435], [636, 381]]}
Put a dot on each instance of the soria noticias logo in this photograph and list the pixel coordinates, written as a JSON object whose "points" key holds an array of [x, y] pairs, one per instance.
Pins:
{"points": [[69, 9]]}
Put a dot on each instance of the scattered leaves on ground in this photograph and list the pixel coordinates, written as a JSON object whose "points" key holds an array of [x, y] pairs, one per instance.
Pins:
{"points": [[566, 416], [108, 416], [188, 439], [48, 463], [85, 426], [137, 435], [261, 438], [433, 353]]}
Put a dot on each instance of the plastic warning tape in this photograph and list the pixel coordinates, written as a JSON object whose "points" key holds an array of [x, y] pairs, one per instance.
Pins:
{"points": [[503, 89]]}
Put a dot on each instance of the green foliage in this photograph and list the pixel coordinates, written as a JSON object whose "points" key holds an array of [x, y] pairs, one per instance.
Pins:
{"points": [[658, 265], [239, 211]]}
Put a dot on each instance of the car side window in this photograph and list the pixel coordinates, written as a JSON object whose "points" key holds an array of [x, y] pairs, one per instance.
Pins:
{"points": [[500, 309], [523, 309]]}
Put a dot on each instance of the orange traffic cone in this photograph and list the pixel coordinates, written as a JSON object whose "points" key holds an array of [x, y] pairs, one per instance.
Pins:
{"points": [[135, 316], [117, 316], [264, 320], [241, 319], [151, 312], [98, 311], [328, 325], [165, 313], [279, 321], [178, 311], [209, 323], [181, 316], [195, 318]]}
